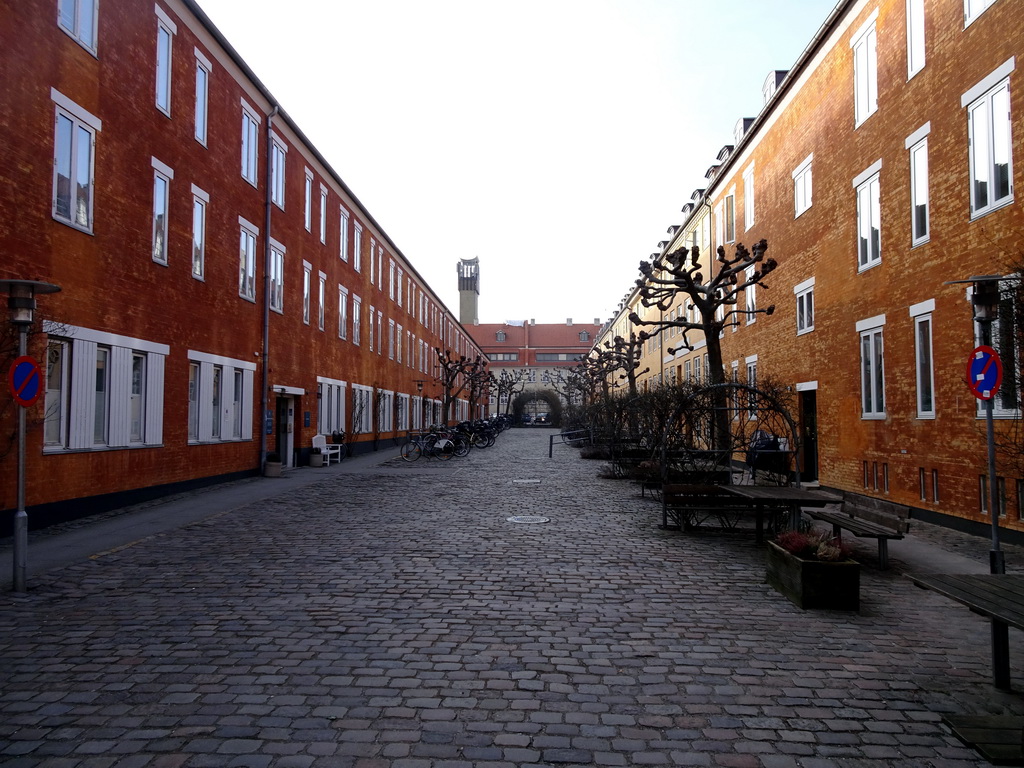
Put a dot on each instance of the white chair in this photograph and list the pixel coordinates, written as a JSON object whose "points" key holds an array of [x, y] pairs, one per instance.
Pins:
{"points": [[330, 452]]}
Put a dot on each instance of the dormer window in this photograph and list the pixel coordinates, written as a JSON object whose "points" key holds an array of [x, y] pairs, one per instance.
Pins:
{"points": [[584, 336], [500, 336]]}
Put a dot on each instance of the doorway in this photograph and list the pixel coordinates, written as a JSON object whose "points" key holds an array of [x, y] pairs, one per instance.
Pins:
{"points": [[286, 430], [809, 435]]}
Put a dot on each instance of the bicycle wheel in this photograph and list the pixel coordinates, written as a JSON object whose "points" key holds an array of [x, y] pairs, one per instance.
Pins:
{"points": [[411, 451], [461, 446], [444, 449]]}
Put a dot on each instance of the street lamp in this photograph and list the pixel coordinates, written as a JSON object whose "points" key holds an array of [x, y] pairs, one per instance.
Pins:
{"points": [[21, 302]]}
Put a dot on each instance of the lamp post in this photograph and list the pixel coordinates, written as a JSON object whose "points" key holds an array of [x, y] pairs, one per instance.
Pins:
{"points": [[22, 303]]}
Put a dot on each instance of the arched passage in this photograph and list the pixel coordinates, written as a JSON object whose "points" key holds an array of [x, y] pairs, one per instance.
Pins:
{"points": [[524, 400]]}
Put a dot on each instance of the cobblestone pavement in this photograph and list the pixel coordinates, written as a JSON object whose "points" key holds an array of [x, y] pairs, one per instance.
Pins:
{"points": [[395, 617]]}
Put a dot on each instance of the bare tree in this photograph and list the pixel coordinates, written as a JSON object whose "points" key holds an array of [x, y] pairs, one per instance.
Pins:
{"points": [[507, 384], [455, 375], [624, 355]]}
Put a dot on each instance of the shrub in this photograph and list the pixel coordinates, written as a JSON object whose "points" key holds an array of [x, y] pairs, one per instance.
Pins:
{"points": [[814, 546]]}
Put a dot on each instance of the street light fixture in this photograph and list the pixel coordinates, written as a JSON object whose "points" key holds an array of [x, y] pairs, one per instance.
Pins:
{"points": [[21, 303]]}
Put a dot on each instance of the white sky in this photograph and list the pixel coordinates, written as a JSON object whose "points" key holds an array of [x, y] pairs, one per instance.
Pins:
{"points": [[555, 139]]}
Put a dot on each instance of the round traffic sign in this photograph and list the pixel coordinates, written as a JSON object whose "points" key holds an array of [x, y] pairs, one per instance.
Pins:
{"points": [[984, 372], [26, 380]]}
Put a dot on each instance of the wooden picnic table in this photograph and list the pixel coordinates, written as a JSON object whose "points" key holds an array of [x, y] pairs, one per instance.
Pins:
{"points": [[999, 596], [782, 496]]}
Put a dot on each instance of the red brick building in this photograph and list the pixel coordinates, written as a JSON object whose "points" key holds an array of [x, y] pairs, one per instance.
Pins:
{"points": [[880, 168], [224, 293]]}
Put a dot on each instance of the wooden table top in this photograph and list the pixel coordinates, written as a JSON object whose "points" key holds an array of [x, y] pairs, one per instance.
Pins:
{"points": [[996, 595]]}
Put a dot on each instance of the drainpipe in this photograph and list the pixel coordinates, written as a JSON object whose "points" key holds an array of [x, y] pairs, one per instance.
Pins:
{"points": [[265, 353]]}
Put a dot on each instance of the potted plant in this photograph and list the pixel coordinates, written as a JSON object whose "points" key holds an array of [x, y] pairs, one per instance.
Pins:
{"points": [[272, 465], [316, 458], [814, 570]]}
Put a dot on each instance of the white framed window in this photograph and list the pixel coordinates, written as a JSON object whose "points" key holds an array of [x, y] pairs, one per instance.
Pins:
{"points": [[802, 186], [165, 31], [278, 156], [162, 176], [343, 246], [380, 332], [990, 141], [730, 216], [78, 19], [308, 200], [1004, 338], [307, 288], [342, 312], [922, 315], [247, 260], [200, 200], [401, 275], [380, 266], [362, 409], [321, 315], [203, 70], [872, 367], [974, 8], [398, 345], [357, 311], [751, 363], [391, 339], [804, 306], [915, 37], [391, 279], [75, 132], [102, 390], [323, 214], [357, 247], [865, 70], [385, 410], [277, 252], [373, 261], [750, 294], [331, 399], [748, 197], [402, 409], [371, 338], [220, 398], [250, 143], [869, 217], [920, 206]]}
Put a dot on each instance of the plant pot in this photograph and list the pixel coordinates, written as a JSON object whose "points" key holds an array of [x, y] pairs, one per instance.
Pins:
{"points": [[316, 459], [272, 469], [814, 583]]}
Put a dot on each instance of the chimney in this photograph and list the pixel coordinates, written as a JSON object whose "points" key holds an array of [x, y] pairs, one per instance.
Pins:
{"points": [[568, 321], [597, 321]]}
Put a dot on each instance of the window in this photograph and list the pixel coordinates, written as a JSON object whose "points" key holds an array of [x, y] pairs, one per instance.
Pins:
{"points": [[398, 346], [751, 382], [974, 8], [380, 266], [373, 261], [504, 356], [804, 306], [362, 409], [247, 260], [220, 398], [165, 29], [402, 410], [331, 401], [917, 143], [203, 69], [730, 217], [750, 292], [935, 486], [323, 214], [872, 372], [921, 313], [865, 70], [915, 37], [120, 402], [356, 319], [748, 197], [869, 216], [500, 336], [78, 19], [697, 369], [373, 313], [250, 143], [308, 200], [551, 357], [1003, 338], [74, 149], [276, 276], [391, 279], [391, 339], [401, 275], [162, 176], [385, 410], [988, 125], [380, 332], [321, 315], [342, 312], [307, 287], [802, 188], [343, 247], [584, 336], [199, 202], [278, 154], [357, 248]]}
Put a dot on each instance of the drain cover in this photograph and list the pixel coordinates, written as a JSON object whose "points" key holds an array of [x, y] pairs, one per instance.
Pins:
{"points": [[526, 519], [526, 481]]}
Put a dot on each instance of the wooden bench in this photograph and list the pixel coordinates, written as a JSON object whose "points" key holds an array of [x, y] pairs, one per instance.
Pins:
{"points": [[689, 506], [868, 518]]}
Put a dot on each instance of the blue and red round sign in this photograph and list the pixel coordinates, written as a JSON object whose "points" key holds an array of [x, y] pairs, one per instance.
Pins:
{"points": [[26, 381], [984, 372]]}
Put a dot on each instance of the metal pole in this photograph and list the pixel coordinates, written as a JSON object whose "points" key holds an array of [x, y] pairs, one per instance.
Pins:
{"points": [[21, 516], [997, 563]]}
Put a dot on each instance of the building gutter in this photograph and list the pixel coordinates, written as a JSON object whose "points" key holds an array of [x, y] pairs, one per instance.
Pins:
{"points": [[267, 252]]}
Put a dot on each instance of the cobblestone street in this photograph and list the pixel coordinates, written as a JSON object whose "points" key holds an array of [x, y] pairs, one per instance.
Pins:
{"points": [[395, 617]]}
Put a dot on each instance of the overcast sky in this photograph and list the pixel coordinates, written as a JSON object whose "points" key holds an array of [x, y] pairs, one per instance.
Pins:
{"points": [[556, 140]]}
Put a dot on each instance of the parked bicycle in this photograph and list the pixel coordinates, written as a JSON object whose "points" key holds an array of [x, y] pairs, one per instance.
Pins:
{"points": [[432, 444]]}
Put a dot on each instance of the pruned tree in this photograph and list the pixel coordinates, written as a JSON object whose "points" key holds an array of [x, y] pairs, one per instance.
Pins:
{"points": [[456, 376], [506, 385], [623, 355]]}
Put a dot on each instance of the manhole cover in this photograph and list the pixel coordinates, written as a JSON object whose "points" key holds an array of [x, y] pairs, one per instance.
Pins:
{"points": [[526, 481], [527, 519]]}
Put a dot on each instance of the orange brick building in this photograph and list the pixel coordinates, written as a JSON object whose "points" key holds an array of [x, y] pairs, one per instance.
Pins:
{"points": [[879, 169], [224, 293]]}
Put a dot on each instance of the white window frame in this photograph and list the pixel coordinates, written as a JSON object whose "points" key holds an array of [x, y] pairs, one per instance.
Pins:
{"points": [[342, 312], [730, 215], [202, 104], [391, 339], [974, 8], [357, 247], [871, 343], [250, 143], [924, 357], [279, 160], [391, 279], [982, 102], [321, 317], [803, 190], [403, 405], [920, 202], [372, 337], [748, 197], [323, 214], [865, 70], [83, 129], [307, 291], [357, 319], [915, 37], [162, 175], [380, 331], [332, 397], [343, 225], [200, 202], [867, 186], [224, 414], [750, 295], [277, 253], [804, 293], [308, 200], [247, 259], [362, 409], [165, 31], [78, 19]]}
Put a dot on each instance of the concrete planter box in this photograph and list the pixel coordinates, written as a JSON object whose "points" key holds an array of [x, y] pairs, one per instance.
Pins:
{"points": [[316, 459], [272, 469], [812, 583]]}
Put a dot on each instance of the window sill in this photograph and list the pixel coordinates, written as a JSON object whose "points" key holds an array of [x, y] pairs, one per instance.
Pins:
{"points": [[873, 416], [73, 225], [805, 331], [868, 267], [983, 212]]}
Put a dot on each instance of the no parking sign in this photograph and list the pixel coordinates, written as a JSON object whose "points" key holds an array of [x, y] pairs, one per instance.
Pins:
{"points": [[26, 381], [984, 372]]}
